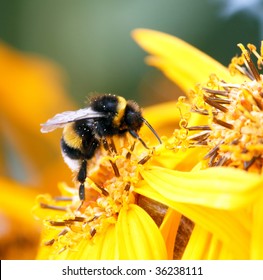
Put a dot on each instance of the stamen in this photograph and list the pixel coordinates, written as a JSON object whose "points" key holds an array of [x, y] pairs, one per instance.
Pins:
{"points": [[210, 101], [63, 198], [212, 152], [76, 219], [200, 136], [253, 49], [212, 160], [63, 232], [221, 161], [199, 127], [53, 240], [92, 232], [216, 92], [52, 207], [112, 146], [109, 146], [223, 123], [96, 187], [103, 191], [58, 223], [199, 111], [115, 168], [228, 86], [127, 187], [67, 222], [50, 242], [245, 72], [248, 164], [144, 160], [62, 250], [129, 153], [250, 63]]}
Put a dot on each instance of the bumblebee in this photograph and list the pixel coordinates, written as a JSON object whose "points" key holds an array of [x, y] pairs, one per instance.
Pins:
{"points": [[86, 130]]}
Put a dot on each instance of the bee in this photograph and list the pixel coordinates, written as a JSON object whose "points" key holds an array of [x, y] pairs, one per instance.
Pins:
{"points": [[86, 130]]}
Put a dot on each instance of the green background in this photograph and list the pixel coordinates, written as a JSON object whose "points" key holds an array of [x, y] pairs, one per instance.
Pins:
{"points": [[91, 39]]}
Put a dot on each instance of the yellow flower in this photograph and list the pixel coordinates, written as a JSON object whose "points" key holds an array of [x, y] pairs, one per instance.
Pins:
{"points": [[30, 90], [109, 224], [222, 127], [216, 203]]}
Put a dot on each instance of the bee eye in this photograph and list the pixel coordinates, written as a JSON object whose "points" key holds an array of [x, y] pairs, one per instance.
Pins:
{"points": [[133, 119]]}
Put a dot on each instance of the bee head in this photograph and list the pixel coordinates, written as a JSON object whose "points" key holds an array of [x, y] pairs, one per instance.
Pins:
{"points": [[132, 118]]}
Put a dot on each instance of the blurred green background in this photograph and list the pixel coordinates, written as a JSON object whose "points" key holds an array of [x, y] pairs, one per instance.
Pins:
{"points": [[91, 41]]}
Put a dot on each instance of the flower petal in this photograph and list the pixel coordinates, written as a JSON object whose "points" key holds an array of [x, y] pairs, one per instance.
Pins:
{"points": [[164, 124], [181, 62], [176, 160], [17, 240], [138, 237], [257, 229], [17, 202], [198, 245], [31, 91], [205, 246], [231, 227], [218, 187], [169, 229], [100, 247]]}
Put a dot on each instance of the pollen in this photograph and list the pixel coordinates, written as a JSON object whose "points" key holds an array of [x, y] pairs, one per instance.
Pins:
{"points": [[109, 188], [233, 132]]}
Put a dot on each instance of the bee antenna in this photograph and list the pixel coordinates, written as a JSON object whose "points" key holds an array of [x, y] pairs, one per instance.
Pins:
{"points": [[152, 129]]}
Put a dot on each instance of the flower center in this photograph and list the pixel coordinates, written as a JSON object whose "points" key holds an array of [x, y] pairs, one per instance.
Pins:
{"points": [[233, 133], [109, 188]]}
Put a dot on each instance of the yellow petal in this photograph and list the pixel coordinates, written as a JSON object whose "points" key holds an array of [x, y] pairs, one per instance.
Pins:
{"points": [[203, 245], [17, 221], [31, 91], [138, 237], [164, 124], [218, 187], [30, 87], [231, 227], [257, 229], [177, 160], [17, 202], [100, 247], [181, 62], [198, 244], [169, 229], [48, 235]]}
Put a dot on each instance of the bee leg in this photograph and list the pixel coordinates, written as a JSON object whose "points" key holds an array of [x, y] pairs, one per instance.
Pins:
{"points": [[105, 144], [108, 145], [136, 136], [81, 178]]}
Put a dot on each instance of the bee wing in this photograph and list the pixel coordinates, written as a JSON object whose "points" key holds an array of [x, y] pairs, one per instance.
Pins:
{"points": [[60, 120]]}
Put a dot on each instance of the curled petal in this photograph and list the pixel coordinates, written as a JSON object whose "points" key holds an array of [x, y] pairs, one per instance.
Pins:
{"points": [[169, 229], [231, 227], [181, 62], [218, 187], [205, 246]]}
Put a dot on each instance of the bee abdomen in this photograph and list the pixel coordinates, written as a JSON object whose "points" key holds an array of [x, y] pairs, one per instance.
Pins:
{"points": [[70, 152], [71, 156]]}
